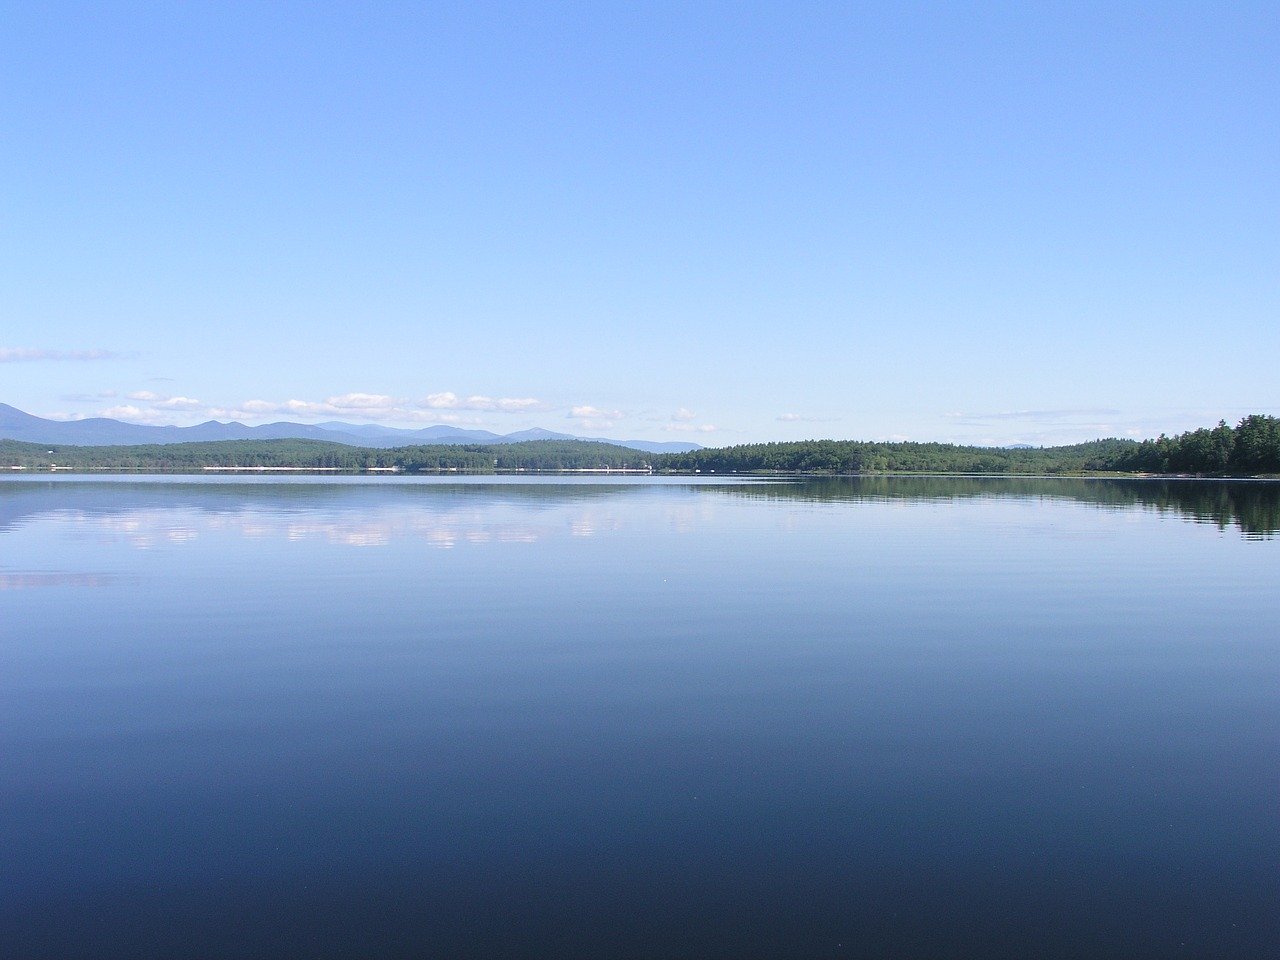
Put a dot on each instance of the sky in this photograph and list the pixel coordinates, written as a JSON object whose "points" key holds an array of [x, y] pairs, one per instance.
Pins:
{"points": [[721, 222]]}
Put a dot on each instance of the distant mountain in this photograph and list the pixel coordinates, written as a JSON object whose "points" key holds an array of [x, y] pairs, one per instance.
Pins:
{"points": [[537, 433], [370, 434], [651, 446], [443, 434], [103, 431], [359, 429]]}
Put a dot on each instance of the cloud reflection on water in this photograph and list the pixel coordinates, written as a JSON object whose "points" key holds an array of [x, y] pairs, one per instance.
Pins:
{"points": [[36, 579], [146, 528]]}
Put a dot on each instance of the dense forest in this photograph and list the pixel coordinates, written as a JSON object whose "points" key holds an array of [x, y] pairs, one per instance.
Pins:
{"points": [[853, 456], [318, 454], [1250, 448]]}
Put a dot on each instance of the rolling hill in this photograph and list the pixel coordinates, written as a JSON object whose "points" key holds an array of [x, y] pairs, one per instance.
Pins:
{"points": [[104, 431]]}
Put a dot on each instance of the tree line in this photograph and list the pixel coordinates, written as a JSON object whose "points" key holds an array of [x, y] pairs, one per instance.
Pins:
{"points": [[320, 454], [855, 456], [1251, 447]]}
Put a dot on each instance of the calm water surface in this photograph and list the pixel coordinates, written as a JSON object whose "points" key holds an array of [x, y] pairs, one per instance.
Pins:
{"points": [[883, 718]]}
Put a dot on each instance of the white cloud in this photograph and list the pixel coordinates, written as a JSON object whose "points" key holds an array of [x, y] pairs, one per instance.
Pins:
{"points": [[451, 401], [127, 412], [1033, 416], [594, 418], [1053, 427], [457, 419], [683, 415], [690, 427], [179, 403], [800, 418], [363, 401], [158, 401], [372, 406], [22, 355], [360, 407], [260, 406], [515, 404], [587, 412], [148, 406], [440, 401]]}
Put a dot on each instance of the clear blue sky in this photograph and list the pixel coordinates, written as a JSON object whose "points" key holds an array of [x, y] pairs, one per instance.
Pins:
{"points": [[1037, 222]]}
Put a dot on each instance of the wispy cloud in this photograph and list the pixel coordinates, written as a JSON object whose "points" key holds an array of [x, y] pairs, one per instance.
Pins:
{"points": [[588, 412], [683, 421], [1053, 427], [443, 407], [158, 401], [451, 401], [309, 410], [178, 403], [1031, 416], [594, 418], [1045, 427], [364, 401], [690, 427], [133, 414], [800, 418], [152, 407], [366, 406], [24, 355]]}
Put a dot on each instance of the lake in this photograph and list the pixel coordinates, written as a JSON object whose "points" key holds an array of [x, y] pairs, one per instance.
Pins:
{"points": [[632, 718]]}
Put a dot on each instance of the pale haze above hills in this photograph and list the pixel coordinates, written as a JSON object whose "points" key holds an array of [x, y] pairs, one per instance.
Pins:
{"points": [[104, 431]]}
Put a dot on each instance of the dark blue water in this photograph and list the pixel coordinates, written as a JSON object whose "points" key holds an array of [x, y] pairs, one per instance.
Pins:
{"points": [[888, 718]]}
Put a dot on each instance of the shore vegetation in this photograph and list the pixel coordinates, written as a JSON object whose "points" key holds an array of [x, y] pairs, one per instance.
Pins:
{"points": [[1251, 448]]}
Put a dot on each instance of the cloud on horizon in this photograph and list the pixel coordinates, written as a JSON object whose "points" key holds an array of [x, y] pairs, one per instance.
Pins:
{"points": [[24, 355], [588, 412], [690, 428], [451, 401], [159, 402], [132, 414], [1031, 416], [799, 418], [594, 418], [363, 406], [156, 409]]}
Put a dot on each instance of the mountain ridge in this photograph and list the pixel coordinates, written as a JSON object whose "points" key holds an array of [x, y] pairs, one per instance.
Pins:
{"points": [[17, 424]]}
